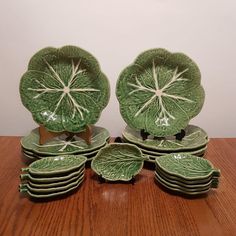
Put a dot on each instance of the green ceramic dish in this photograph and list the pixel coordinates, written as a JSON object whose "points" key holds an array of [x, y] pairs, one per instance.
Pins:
{"points": [[51, 180], [179, 190], [213, 183], [160, 92], [55, 184], [51, 189], [181, 180], [58, 165], [64, 89], [118, 162], [186, 166], [49, 195], [61, 146], [156, 153], [195, 138]]}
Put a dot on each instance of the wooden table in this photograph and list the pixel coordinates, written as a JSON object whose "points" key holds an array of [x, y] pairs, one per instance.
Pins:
{"points": [[142, 208]]}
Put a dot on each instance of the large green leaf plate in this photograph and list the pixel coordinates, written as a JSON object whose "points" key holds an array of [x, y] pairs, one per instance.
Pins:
{"points": [[49, 179], [194, 138], [153, 153], [160, 92], [186, 166], [61, 146], [54, 166], [118, 162], [64, 89], [49, 195]]}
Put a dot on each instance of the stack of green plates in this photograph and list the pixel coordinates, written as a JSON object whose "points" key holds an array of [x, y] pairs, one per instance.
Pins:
{"points": [[185, 173], [194, 142], [61, 145], [53, 176]]}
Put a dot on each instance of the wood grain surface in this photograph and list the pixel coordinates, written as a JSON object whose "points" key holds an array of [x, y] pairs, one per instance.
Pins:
{"points": [[142, 208]]}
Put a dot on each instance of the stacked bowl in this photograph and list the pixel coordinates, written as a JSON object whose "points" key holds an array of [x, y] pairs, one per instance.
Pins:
{"points": [[185, 173], [53, 176]]}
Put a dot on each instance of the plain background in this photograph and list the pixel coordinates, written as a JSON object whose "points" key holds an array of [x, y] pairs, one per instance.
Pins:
{"points": [[115, 32]]}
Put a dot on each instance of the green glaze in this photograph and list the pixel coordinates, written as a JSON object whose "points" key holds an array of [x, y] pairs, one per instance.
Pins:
{"points": [[213, 183], [61, 146], [56, 184], [194, 138], [51, 180], [155, 154], [118, 162], [49, 195], [51, 189], [64, 89], [160, 92], [186, 166], [181, 190], [50, 166]]}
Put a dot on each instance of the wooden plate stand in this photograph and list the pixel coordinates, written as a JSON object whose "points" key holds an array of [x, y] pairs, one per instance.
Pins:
{"points": [[45, 135]]}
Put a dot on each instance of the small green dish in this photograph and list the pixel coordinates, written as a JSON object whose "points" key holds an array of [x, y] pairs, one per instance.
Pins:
{"points": [[187, 166], [58, 165], [51, 189], [49, 180], [118, 162], [49, 195], [213, 183], [55, 184], [179, 190]]}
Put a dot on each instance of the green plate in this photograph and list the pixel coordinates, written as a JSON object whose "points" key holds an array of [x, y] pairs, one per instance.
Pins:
{"points": [[49, 195], [58, 165], [186, 166], [180, 190], [160, 92], [156, 153], [64, 89], [55, 184], [39, 156], [195, 138], [51, 180], [213, 183], [51, 189], [118, 162], [60, 145], [181, 180]]}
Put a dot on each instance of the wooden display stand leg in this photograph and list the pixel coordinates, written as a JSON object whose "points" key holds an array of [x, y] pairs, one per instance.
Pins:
{"points": [[45, 135]]}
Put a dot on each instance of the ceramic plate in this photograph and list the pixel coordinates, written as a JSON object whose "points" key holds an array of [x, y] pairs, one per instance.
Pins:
{"points": [[180, 190], [118, 161], [64, 89], [39, 156], [49, 195], [51, 189], [58, 165], [156, 153], [213, 183], [160, 92], [195, 138], [61, 146], [55, 184], [51, 180], [186, 166]]}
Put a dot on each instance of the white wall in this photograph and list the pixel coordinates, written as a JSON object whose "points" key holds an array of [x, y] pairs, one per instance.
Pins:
{"points": [[115, 32]]}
